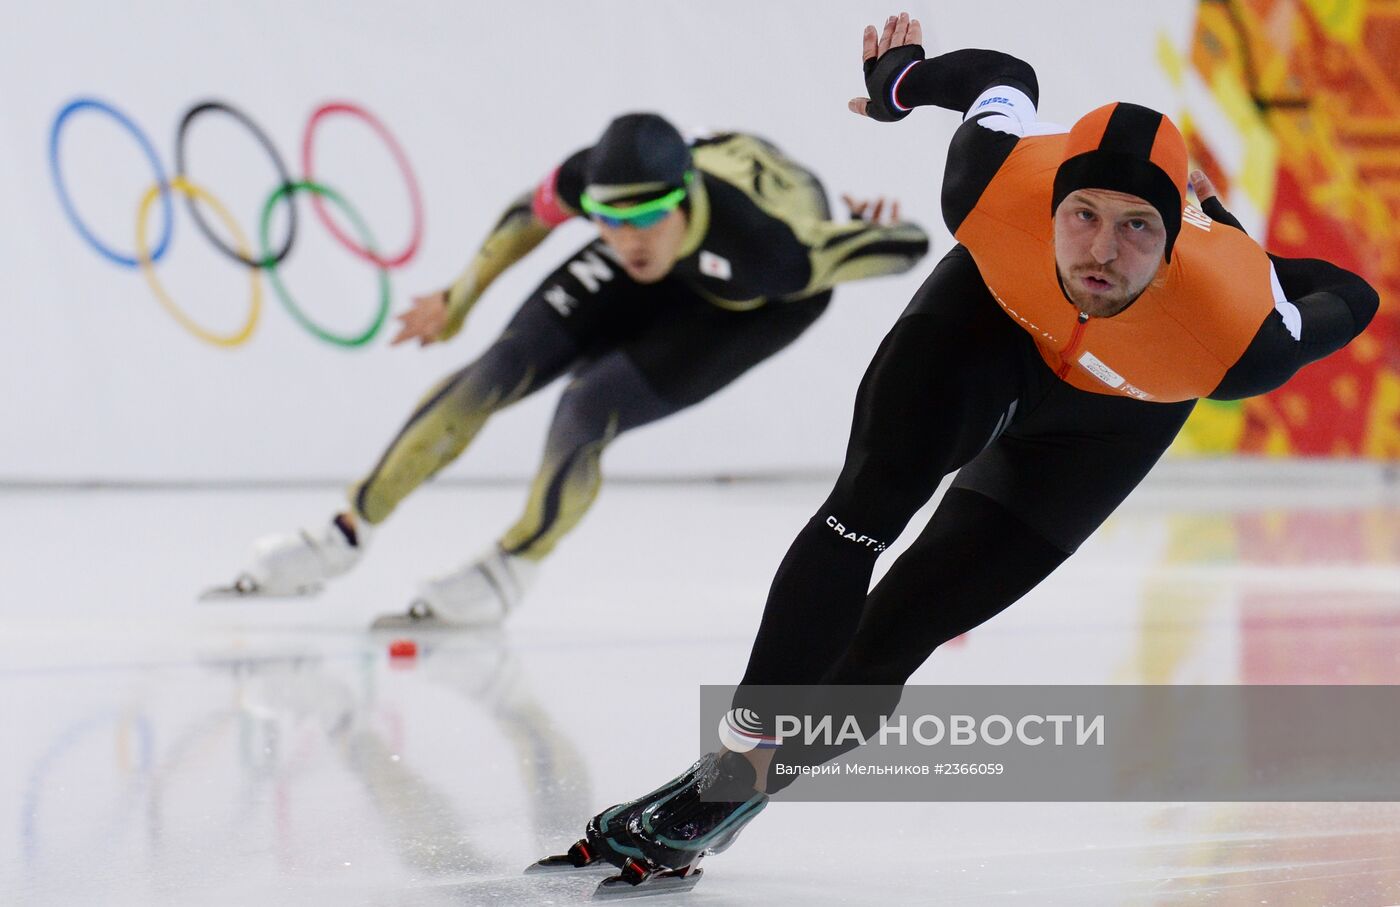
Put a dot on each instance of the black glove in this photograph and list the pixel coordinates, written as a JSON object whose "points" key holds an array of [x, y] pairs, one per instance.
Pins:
{"points": [[1217, 212], [880, 76]]}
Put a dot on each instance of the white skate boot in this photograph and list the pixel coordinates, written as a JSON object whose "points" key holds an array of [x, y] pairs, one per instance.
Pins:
{"points": [[297, 563], [479, 594]]}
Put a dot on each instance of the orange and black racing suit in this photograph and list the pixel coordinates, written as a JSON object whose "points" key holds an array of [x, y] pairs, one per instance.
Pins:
{"points": [[1049, 418]]}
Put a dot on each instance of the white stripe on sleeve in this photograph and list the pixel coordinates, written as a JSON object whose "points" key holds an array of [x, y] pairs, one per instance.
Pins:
{"points": [[1292, 318], [1012, 111]]}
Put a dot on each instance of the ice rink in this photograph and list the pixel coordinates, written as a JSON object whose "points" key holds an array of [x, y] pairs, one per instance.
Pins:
{"points": [[159, 751]]}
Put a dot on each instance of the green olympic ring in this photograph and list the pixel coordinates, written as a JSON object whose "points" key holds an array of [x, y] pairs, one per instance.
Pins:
{"points": [[269, 263]]}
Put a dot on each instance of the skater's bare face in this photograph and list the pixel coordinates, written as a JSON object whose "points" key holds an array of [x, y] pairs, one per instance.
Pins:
{"points": [[647, 255], [1108, 248]]}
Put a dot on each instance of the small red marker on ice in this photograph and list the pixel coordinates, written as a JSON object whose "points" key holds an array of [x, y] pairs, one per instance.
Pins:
{"points": [[403, 648]]}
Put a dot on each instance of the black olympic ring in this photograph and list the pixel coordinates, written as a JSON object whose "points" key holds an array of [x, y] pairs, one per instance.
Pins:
{"points": [[283, 175]]}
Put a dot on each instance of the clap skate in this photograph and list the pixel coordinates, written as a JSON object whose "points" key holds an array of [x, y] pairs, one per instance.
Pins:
{"points": [[657, 841], [648, 878], [296, 564], [639, 879], [477, 595], [604, 842]]}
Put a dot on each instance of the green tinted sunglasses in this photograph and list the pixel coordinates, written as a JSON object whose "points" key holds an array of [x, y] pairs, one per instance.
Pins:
{"points": [[642, 216]]}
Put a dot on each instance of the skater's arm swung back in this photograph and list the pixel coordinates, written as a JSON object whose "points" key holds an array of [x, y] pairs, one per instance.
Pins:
{"points": [[524, 225], [1319, 308], [873, 243]]}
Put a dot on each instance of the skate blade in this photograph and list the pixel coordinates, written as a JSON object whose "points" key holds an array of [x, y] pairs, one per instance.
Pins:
{"points": [[561, 863], [429, 621], [409, 622], [243, 588], [616, 888]]}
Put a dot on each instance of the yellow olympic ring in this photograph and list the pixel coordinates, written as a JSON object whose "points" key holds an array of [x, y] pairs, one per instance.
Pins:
{"points": [[143, 257]]}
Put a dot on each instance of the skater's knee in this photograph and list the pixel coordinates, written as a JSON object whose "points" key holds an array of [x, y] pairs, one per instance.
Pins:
{"points": [[898, 482], [583, 417], [499, 377], [859, 667], [880, 494]]}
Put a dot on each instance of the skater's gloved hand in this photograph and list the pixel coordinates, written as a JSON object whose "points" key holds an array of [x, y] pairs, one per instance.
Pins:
{"points": [[424, 320], [884, 61], [873, 212], [1210, 201]]}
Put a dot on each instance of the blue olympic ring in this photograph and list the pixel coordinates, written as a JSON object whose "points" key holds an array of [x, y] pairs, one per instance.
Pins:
{"points": [[167, 208]]}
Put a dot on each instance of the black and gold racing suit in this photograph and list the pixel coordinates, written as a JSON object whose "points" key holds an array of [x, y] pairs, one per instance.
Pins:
{"points": [[756, 268]]}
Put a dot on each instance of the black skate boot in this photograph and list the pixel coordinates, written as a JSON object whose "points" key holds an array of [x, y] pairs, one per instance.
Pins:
{"points": [[667, 833], [605, 842]]}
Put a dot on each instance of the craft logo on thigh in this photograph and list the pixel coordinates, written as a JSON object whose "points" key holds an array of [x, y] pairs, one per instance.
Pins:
{"points": [[850, 536]]}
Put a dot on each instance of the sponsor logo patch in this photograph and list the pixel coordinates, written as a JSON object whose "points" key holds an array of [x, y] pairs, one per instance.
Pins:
{"points": [[1096, 367]]}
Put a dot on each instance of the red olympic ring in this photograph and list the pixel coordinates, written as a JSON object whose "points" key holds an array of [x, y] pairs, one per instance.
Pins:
{"points": [[400, 159]]}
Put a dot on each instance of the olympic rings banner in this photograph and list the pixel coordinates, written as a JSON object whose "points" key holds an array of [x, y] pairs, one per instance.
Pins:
{"points": [[268, 255]]}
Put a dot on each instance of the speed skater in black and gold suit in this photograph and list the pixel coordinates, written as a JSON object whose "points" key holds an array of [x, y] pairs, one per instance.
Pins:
{"points": [[713, 255]]}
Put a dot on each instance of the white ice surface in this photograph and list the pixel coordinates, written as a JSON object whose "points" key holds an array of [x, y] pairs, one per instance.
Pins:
{"points": [[157, 751]]}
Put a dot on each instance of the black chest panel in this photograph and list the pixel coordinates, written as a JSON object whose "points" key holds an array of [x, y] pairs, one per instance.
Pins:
{"points": [[746, 252]]}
